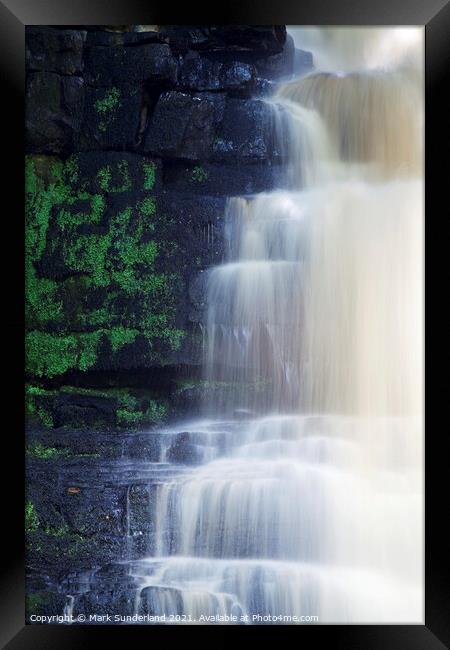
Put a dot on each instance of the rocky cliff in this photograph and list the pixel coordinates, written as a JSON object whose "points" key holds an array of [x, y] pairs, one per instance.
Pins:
{"points": [[135, 137], [134, 141]]}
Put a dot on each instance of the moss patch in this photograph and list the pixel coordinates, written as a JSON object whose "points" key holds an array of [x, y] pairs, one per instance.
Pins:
{"points": [[149, 175], [199, 175], [31, 518], [111, 290], [133, 409]]}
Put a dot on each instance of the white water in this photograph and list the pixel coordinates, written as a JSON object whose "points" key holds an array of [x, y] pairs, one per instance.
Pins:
{"points": [[313, 505]]}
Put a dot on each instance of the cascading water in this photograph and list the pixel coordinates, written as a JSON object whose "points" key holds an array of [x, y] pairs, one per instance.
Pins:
{"points": [[309, 499]]}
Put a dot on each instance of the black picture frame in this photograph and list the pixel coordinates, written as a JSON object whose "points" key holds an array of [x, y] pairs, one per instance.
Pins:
{"points": [[14, 16]]}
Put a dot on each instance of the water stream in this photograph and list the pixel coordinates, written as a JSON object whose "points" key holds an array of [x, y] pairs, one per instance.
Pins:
{"points": [[308, 500]]}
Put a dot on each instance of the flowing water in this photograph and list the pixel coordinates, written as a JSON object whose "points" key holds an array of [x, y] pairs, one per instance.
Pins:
{"points": [[309, 499]]}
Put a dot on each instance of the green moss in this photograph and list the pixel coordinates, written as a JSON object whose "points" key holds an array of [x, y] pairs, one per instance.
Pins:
{"points": [[147, 207], [124, 173], [60, 531], [88, 347], [31, 518], [106, 107], [37, 405], [134, 407], [38, 450], [109, 102], [71, 169], [40, 199], [45, 417], [30, 389], [67, 219], [78, 390], [121, 172], [117, 255], [65, 542], [44, 192], [104, 176], [44, 303], [199, 175], [149, 170], [48, 355], [120, 336], [154, 414]]}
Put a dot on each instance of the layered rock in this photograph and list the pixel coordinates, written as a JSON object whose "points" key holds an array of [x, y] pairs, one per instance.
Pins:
{"points": [[135, 138]]}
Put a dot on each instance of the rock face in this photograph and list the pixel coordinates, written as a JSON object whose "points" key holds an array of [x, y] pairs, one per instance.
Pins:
{"points": [[135, 137], [134, 141]]}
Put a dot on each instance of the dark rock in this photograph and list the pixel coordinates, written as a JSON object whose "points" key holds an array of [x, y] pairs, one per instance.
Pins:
{"points": [[219, 179], [140, 524], [264, 88], [72, 443], [259, 40], [199, 73], [44, 603], [97, 37], [183, 38], [78, 410], [183, 451], [53, 108], [110, 101], [218, 100], [198, 297], [151, 598], [197, 224], [267, 38], [50, 50], [278, 65], [246, 132], [111, 117], [115, 172], [106, 603], [182, 126], [303, 62], [106, 66], [142, 447]]}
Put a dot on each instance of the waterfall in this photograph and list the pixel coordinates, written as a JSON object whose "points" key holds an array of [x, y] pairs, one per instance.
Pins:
{"points": [[311, 502]]}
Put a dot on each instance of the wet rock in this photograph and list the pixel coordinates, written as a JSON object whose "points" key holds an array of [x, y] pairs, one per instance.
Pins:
{"points": [[267, 39], [142, 447], [259, 40], [106, 66], [78, 410], [220, 179], [278, 65], [182, 126], [97, 37], [140, 524], [151, 598], [43, 603], [264, 88], [303, 62], [50, 50], [197, 223], [200, 73], [246, 132], [73, 443], [198, 297], [183, 451], [114, 172], [107, 598], [53, 108], [111, 117]]}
